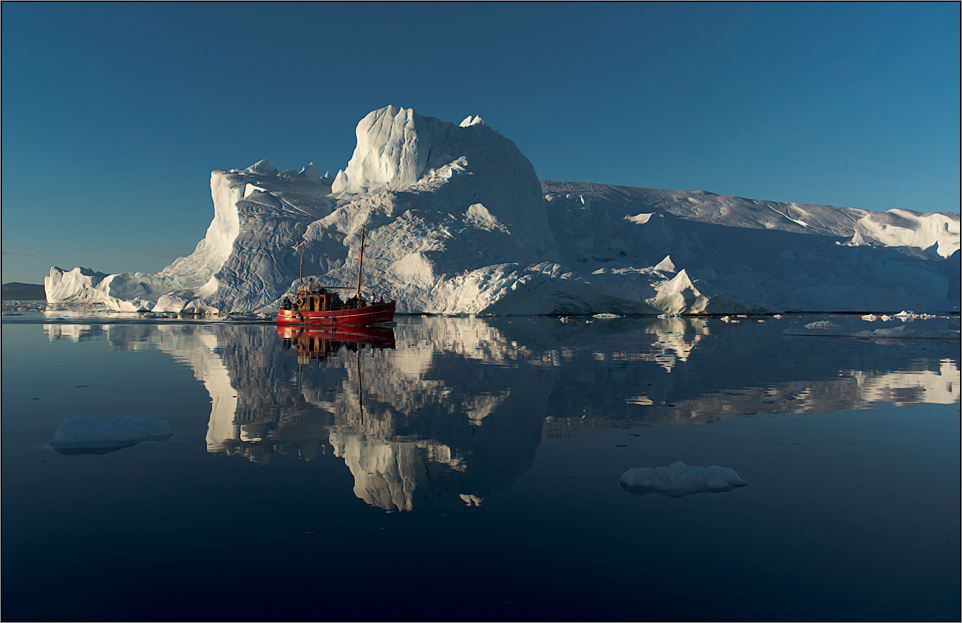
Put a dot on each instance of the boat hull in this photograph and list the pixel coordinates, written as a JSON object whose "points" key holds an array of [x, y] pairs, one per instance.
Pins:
{"points": [[372, 314]]}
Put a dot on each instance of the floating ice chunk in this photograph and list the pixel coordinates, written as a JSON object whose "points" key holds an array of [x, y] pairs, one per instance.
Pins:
{"points": [[679, 479], [87, 435]]}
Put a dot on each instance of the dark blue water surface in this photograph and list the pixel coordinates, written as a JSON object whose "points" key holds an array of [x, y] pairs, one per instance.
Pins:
{"points": [[469, 469]]}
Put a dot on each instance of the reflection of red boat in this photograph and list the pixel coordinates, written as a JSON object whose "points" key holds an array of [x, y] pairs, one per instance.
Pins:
{"points": [[375, 336], [318, 306], [317, 342]]}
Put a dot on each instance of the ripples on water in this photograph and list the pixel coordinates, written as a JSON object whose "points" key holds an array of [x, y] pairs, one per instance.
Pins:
{"points": [[465, 468]]}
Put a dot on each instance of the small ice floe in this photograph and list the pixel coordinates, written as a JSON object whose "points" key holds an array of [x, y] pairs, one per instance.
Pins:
{"points": [[87, 435], [606, 316], [678, 479]]}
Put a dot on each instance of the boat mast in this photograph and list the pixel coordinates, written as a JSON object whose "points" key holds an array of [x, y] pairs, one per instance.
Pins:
{"points": [[360, 388], [360, 262], [300, 273]]}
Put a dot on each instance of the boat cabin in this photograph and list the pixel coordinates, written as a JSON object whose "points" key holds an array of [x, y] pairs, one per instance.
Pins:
{"points": [[321, 300]]}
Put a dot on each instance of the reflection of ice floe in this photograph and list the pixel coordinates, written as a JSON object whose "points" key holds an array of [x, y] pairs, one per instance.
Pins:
{"points": [[72, 332], [87, 435], [899, 326], [675, 340], [679, 479], [929, 386]]}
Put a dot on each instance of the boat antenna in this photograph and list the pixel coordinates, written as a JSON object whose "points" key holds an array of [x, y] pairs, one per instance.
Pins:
{"points": [[360, 262]]}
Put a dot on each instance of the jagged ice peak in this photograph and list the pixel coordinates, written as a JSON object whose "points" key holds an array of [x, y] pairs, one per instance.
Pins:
{"points": [[458, 222]]}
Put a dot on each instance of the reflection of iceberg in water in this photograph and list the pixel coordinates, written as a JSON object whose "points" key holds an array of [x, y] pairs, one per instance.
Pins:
{"points": [[735, 367], [425, 422], [675, 340], [458, 409], [433, 445]]}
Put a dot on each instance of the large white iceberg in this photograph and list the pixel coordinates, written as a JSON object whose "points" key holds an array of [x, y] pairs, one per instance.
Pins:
{"points": [[457, 222]]}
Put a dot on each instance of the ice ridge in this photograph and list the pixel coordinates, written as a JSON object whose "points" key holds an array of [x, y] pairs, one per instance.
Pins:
{"points": [[457, 222]]}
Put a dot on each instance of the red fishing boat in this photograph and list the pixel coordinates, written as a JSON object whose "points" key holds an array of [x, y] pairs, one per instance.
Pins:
{"points": [[319, 306]]}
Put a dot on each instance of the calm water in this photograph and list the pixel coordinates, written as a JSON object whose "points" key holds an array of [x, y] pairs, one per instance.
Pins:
{"points": [[473, 472]]}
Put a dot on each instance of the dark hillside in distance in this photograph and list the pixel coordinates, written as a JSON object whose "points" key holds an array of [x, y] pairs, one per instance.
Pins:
{"points": [[16, 291]]}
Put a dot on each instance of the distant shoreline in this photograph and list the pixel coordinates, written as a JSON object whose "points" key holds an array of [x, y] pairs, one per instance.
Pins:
{"points": [[16, 291]]}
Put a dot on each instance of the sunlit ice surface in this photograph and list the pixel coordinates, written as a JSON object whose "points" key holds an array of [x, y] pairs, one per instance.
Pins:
{"points": [[467, 468]]}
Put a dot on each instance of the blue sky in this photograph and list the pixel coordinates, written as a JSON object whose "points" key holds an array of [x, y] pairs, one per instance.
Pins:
{"points": [[114, 114]]}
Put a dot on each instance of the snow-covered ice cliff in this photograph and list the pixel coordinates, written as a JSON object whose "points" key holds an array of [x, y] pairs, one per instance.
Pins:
{"points": [[457, 222]]}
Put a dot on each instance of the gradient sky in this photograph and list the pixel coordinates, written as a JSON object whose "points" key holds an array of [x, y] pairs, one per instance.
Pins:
{"points": [[115, 114]]}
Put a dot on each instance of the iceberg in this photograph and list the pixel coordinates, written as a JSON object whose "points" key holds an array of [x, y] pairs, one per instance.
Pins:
{"points": [[87, 435], [457, 222], [679, 479]]}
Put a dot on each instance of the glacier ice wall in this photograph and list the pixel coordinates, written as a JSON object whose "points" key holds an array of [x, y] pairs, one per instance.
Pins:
{"points": [[457, 222]]}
